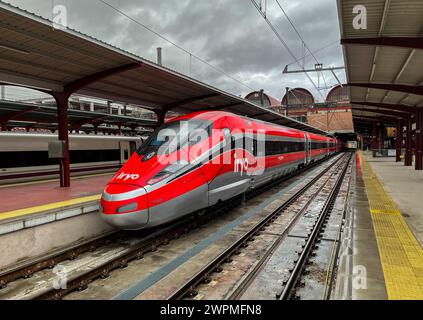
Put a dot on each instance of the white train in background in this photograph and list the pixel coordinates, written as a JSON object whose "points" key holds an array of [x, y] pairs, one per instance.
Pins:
{"points": [[352, 145], [24, 156]]}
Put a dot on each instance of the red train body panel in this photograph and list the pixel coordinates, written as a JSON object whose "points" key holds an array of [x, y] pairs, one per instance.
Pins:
{"points": [[197, 160]]}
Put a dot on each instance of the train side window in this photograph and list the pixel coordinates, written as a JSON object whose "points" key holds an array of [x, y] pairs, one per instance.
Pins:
{"points": [[227, 134], [249, 144], [236, 142], [40, 158], [281, 147], [255, 149], [199, 134], [228, 139]]}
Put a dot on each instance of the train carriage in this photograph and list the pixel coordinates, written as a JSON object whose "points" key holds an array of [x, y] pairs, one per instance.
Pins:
{"points": [[197, 160], [24, 156]]}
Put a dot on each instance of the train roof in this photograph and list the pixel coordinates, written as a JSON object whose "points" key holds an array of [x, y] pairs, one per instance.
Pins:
{"points": [[210, 115]]}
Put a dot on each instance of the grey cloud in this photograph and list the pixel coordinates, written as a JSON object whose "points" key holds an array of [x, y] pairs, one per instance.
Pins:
{"points": [[229, 34]]}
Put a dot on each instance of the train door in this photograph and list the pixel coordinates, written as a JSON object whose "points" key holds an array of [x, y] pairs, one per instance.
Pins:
{"points": [[307, 157], [229, 177], [125, 151]]}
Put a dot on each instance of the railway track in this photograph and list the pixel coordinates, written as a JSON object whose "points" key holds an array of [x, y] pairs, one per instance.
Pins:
{"points": [[188, 289], [125, 247], [290, 285]]}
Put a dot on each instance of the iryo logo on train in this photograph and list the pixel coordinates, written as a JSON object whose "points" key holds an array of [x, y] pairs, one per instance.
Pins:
{"points": [[127, 176], [240, 164]]}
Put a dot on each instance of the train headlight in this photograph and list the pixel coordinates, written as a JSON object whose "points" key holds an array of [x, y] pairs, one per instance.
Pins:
{"points": [[127, 207], [169, 170]]}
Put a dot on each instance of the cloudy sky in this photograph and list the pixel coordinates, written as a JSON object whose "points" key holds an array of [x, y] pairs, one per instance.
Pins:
{"points": [[229, 34]]}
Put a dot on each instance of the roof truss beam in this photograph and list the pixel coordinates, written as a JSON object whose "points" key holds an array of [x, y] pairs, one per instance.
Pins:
{"points": [[189, 100], [386, 112], [22, 80], [418, 90], [226, 106], [16, 114], [404, 42], [83, 82], [378, 119], [389, 106], [259, 114]]}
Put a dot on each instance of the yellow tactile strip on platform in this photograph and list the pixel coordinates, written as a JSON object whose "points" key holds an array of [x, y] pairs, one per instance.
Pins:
{"points": [[48, 207], [400, 252]]}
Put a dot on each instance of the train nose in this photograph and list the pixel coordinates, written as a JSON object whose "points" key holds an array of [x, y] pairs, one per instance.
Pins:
{"points": [[125, 207]]}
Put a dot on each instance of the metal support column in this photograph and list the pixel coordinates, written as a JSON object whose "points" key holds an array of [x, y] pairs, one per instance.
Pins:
{"points": [[419, 139], [374, 137], [109, 107], [382, 137], [286, 101], [380, 142], [262, 97], [408, 144], [399, 138], [160, 117], [62, 123]]}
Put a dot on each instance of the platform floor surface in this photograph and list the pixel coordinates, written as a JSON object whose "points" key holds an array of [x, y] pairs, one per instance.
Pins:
{"points": [[20, 199], [400, 252], [405, 186]]}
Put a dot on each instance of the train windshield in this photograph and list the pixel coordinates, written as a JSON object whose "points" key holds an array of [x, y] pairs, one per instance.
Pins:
{"points": [[175, 135]]}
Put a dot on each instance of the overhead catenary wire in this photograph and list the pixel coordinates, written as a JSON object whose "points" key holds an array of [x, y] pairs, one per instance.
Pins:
{"points": [[317, 50], [175, 44], [301, 38], [269, 23], [296, 30]]}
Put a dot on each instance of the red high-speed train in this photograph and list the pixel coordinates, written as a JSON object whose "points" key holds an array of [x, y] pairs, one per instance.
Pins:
{"points": [[197, 160]]}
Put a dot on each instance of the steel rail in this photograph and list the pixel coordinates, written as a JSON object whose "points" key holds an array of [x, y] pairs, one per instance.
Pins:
{"points": [[188, 288], [296, 273], [51, 260], [147, 244], [331, 270], [162, 238], [253, 273]]}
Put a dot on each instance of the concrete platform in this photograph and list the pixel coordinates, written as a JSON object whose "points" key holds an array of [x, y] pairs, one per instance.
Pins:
{"points": [[31, 204], [29, 195], [405, 186], [360, 274], [40, 218], [365, 249], [389, 188], [381, 256]]}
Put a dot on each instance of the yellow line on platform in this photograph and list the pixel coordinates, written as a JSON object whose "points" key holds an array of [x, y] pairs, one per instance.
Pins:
{"points": [[401, 254], [47, 207]]}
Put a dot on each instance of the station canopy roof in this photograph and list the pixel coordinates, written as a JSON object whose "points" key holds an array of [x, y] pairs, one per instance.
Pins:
{"points": [[384, 61], [34, 55], [87, 128], [29, 114]]}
